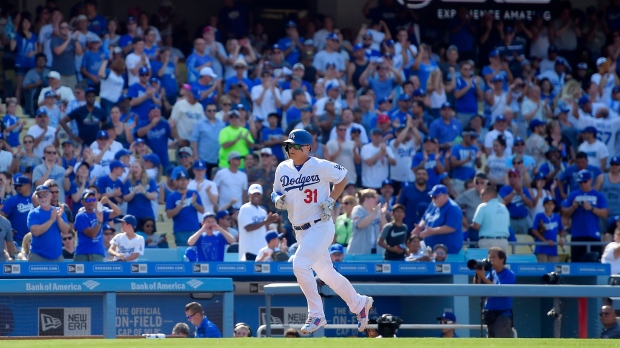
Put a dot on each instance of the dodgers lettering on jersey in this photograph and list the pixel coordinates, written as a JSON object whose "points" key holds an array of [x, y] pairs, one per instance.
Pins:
{"points": [[305, 188]]}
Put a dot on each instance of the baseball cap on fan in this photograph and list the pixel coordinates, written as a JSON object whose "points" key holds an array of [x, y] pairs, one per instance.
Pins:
{"points": [[255, 188]]}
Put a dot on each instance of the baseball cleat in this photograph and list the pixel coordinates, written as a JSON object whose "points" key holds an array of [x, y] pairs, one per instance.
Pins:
{"points": [[312, 324], [362, 316]]}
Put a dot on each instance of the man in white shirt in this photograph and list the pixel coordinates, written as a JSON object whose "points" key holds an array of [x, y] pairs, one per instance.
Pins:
{"points": [[376, 160], [47, 32], [499, 127], [253, 223], [135, 60], [231, 183], [331, 53], [595, 149], [207, 189], [5, 157], [186, 112], [266, 97], [43, 134], [333, 94], [347, 120], [63, 94], [342, 151], [404, 146], [127, 246], [605, 82], [104, 154], [606, 123]]}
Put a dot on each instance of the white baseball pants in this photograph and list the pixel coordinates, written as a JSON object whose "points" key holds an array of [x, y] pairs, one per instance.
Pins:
{"points": [[313, 254]]}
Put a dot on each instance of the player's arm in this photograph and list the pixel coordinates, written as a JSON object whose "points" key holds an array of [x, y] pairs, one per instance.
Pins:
{"points": [[338, 189]]}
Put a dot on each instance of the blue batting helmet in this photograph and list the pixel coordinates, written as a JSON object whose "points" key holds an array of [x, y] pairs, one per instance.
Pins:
{"points": [[299, 137]]}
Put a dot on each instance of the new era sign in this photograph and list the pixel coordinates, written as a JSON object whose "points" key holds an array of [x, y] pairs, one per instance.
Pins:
{"points": [[64, 321]]}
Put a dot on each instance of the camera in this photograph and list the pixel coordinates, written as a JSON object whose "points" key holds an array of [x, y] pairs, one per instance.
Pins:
{"points": [[388, 324], [551, 278], [479, 264]]}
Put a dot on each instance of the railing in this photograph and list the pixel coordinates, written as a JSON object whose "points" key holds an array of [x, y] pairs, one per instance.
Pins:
{"points": [[262, 328], [514, 245]]}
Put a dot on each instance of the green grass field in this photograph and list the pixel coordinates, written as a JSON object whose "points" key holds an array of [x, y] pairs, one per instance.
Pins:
{"points": [[316, 343]]}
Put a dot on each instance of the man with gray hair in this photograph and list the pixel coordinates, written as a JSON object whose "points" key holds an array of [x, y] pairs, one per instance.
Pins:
{"points": [[180, 330]]}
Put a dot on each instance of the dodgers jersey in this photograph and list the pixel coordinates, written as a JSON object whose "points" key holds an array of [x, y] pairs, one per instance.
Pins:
{"points": [[306, 186], [606, 129]]}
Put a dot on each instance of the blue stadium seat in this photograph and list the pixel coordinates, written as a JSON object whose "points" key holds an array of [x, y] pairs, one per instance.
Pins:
{"points": [[460, 257], [160, 255], [363, 257], [477, 254], [522, 258], [231, 257]]}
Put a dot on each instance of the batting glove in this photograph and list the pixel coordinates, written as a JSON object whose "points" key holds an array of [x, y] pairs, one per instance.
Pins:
{"points": [[278, 200], [328, 207]]}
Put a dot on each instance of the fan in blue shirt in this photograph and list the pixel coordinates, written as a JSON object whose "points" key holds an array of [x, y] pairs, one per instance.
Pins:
{"points": [[546, 227], [442, 222], [156, 134], [204, 327], [412, 194], [291, 40], [465, 157], [272, 136], [143, 97], [433, 163], [111, 185], [167, 77], [446, 129], [17, 207], [183, 206], [210, 240], [46, 229], [516, 197], [586, 206], [570, 175], [92, 60], [89, 226]]}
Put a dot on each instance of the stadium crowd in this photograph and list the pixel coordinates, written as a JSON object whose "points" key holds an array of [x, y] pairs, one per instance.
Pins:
{"points": [[437, 124]]}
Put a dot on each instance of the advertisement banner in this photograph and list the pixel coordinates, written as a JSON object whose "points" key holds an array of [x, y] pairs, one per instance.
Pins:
{"points": [[507, 10], [73, 321]]}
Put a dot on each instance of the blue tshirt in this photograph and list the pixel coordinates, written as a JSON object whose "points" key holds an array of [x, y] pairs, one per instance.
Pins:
{"points": [[87, 245], [552, 227], [211, 248], [585, 223], [157, 140], [293, 56], [125, 40], [401, 116], [88, 122], [516, 207], [193, 62], [49, 244], [468, 169], [107, 185], [98, 24], [382, 89], [151, 53], [468, 103], [424, 72], [91, 61], [13, 136], [21, 50], [506, 276], [140, 206], [200, 88], [73, 189], [207, 330], [16, 209], [445, 133], [450, 214], [187, 218], [268, 133], [570, 175], [488, 70], [411, 198], [434, 178], [142, 110], [168, 80]]}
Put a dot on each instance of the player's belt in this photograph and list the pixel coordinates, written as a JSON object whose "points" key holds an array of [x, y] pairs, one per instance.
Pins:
{"points": [[305, 226]]}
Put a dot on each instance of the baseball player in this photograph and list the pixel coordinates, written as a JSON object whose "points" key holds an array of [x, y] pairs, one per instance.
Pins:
{"points": [[302, 187]]}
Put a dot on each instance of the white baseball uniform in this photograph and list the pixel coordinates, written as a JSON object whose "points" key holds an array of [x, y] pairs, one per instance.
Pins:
{"points": [[305, 188]]}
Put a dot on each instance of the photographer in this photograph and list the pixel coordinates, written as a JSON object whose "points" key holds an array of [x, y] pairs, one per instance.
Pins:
{"points": [[497, 313]]}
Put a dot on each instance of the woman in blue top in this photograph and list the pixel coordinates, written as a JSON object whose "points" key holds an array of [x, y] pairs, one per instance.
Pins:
{"points": [[25, 46], [423, 65], [78, 185], [138, 191], [150, 44], [165, 69], [546, 228]]}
